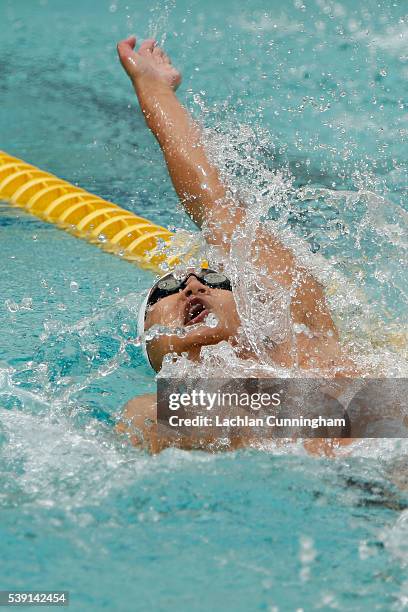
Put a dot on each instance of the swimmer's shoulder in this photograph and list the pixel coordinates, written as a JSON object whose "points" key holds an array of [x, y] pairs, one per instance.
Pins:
{"points": [[138, 415]]}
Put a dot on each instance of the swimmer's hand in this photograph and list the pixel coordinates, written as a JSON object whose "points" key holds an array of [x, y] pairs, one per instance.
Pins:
{"points": [[149, 63]]}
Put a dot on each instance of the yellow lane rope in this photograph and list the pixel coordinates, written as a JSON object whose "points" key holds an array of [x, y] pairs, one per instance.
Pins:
{"points": [[84, 215]]}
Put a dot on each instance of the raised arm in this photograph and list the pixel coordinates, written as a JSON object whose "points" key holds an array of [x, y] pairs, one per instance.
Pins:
{"points": [[155, 80], [197, 181]]}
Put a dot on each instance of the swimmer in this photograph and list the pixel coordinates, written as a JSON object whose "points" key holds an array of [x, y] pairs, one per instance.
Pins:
{"points": [[186, 302]]}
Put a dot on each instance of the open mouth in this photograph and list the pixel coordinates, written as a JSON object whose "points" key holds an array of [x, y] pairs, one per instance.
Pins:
{"points": [[195, 312]]}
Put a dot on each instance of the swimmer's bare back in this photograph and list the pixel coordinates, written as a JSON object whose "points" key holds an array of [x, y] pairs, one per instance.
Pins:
{"points": [[155, 81]]}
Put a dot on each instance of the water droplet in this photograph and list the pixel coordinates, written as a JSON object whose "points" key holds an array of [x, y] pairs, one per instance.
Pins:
{"points": [[211, 320], [26, 304], [11, 306]]}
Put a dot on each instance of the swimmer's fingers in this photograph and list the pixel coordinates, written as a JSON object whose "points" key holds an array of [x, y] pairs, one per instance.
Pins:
{"points": [[126, 46], [164, 56], [130, 59], [147, 46], [131, 41], [158, 55], [126, 53]]}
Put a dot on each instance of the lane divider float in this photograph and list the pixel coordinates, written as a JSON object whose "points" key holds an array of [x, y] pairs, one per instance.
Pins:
{"points": [[86, 215]]}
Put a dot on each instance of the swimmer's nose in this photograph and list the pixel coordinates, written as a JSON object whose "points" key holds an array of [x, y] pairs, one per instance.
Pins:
{"points": [[194, 287]]}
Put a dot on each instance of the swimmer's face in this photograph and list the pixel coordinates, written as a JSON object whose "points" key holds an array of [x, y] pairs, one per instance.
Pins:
{"points": [[189, 308]]}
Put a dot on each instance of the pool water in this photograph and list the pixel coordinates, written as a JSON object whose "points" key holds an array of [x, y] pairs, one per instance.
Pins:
{"points": [[305, 104]]}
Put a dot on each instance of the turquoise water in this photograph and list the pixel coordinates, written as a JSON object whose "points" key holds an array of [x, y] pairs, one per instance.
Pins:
{"points": [[315, 88]]}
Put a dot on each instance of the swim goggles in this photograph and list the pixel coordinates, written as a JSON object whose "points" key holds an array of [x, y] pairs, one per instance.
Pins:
{"points": [[169, 284]]}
